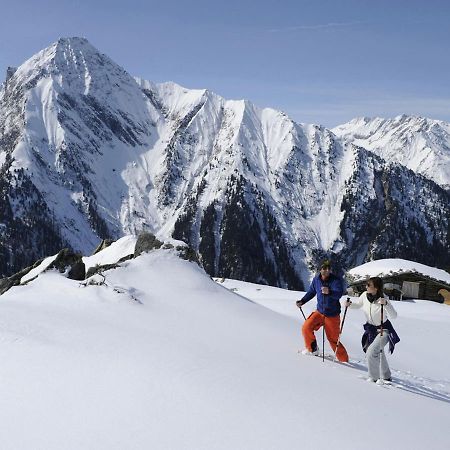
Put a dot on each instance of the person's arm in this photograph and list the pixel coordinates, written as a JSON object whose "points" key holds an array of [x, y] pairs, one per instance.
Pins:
{"points": [[355, 303], [337, 288], [309, 294], [391, 312]]}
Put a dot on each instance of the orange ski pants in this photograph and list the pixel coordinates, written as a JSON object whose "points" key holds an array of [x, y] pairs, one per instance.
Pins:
{"points": [[332, 327]]}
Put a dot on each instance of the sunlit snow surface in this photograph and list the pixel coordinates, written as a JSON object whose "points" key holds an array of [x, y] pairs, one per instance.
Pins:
{"points": [[163, 357]]}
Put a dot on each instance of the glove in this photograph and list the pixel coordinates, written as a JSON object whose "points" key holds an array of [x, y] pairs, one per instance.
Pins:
{"points": [[299, 303], [347, 303]]}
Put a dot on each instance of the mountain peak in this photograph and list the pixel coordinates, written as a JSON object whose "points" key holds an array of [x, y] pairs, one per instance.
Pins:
{"points": [[74, 65], [67, 47], [62, 48], [73, 41], [73, 58]]}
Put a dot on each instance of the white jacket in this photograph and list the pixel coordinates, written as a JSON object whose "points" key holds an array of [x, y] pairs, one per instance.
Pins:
{"points": [[372, 311]]}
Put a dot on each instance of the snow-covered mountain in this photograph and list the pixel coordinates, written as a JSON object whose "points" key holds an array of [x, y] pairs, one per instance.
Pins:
{"points": [[421, 144], [87, 152], [157, 355]]}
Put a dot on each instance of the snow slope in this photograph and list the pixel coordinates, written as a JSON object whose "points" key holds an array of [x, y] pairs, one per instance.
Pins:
{"points": [[163, 357]]}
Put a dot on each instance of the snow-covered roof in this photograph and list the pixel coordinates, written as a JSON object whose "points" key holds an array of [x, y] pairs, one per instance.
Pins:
{"points": [[388, 267]]}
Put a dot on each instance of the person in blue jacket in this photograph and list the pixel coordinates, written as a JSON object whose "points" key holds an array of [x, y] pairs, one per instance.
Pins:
{"points": [[329, 289]]}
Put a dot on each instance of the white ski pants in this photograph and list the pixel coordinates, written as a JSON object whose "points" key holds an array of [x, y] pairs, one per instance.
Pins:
{"points": [[376, 359]]}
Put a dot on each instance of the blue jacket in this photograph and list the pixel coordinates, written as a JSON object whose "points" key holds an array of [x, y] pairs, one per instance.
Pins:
{"points": [[328, 305]]}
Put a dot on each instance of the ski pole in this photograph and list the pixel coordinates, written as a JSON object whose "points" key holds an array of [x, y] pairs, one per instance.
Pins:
{"points": [[303, 314], [323, 339], [325, 296], [381, 350], [340, 331]]}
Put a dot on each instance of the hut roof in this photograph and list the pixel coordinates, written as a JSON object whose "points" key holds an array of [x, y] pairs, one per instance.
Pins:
{"points": [[391, 267]]}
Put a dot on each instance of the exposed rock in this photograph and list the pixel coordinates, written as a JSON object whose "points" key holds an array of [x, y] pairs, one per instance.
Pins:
{"points": [[77, 271], [188, 254], [14, 280], [70, 262], [102, 268], [10, 71], [145, 243], [99, 269], [5, 284], [105, 243]]}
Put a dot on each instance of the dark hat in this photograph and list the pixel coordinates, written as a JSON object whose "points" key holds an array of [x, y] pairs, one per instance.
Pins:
{"points": [[326, 263]]}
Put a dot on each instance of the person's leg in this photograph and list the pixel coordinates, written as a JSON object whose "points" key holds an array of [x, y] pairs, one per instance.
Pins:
{"points": [[332, 328], [376, 360], [385, 372], [311, 324]]}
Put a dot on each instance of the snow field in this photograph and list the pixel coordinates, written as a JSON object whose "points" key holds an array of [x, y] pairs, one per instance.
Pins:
{"points": [[195, 366]]}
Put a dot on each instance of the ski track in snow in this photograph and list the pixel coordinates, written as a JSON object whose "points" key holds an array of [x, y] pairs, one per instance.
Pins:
{"points": [[404, 380], [427, 387], [436, 389]]}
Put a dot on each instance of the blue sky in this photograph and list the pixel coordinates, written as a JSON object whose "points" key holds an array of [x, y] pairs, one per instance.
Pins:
{"points": [[319, 61]]}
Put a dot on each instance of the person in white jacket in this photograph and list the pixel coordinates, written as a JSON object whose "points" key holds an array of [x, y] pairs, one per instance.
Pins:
{"points": [[376, 336]]}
